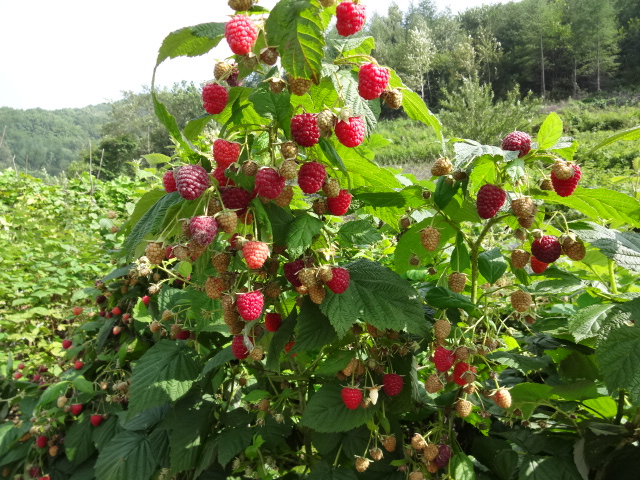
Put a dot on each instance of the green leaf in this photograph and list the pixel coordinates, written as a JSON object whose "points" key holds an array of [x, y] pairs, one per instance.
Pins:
{"points": [[327, 413], [313, 329], [222, 357], [129, 455], [323, 471], [332, 155], [147, 201], [359, 232], [78, 441], [587, 322], [444, 192], [280, 220], [53, 392], [103, 434], [484, 171], [378, 296], [301, 233], [353, 45], [296, 28], [526, 397], [492, 265], [577, 391], [626, 135], [415, 108], [169, 122], [621, 247], [497, 455], [163, 374], [155, 158], [231, 442], [279, 340], [520, 362], [191, 41], [605, 406], [440, 297], [462, 467], [460, 259], [82, 384], [619, 358], [548, 468], [268, 105], [550, 131]]}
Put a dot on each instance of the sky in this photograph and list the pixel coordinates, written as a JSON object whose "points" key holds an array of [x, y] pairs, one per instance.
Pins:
{"points": [[73, 53]]}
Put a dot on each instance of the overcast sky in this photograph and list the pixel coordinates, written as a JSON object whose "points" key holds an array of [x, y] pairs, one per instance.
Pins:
{"points": [[73, 53]]}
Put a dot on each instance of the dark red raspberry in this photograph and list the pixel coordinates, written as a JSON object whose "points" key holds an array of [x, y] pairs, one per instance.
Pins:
{"points": [[96, 420], [517, 142], [236, 198], [203, 229], [340, 204], [351, 133], [490, 199], [241, 34], [268, 183], [66, 344], [169, 182], [214, 98], [340, 280], [372, 81], [443, 457], [537, 266], [250, 305], [547, 249], [272, 322], [443, 359], [225, 153], [191, 181], [459, 370], [350, 18], [311, 177], [41, 441], [392, 384], [564, 188], [183, 334], [238, 348], [351, 397], [305, 130], [291, 270], [222, 179]]}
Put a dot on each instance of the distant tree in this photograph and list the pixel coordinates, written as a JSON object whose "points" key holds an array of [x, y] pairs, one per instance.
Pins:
{"points": [[390, 35], [419, 53], [628, 15], [109, 158], [488, 52]]}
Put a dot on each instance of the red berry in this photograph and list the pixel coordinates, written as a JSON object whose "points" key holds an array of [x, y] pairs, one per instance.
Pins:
{"points": [[219, 175], [269, 183], [183, 334], [288, 346], [311, 177], [351, 133], [20, 366], [169, 182], [225, 153], [101, 299], [537, 266], [96, 420], [272, 322], [66, 344], [238, 348], [547, 249], [116, 330], [78, 364], [291, 270], [203, 229], [76, 409], [241, 34], [350, 18], [255, 254], [340, 204], [77, 311], [443, 457], [236, 198], [372, 81], [459, 370], [17, 375], [490, 199], [250, 305], [564, 188], [305, 130], [339, 281], [214, 98], [42, 369], [146, 299], [116, 311], [517, 142], [351, 397], [443, 359], [392, 384], [41, 441], [191, 181]]}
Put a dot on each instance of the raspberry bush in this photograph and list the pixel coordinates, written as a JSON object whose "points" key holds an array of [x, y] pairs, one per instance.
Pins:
{"points": [[293, 310]]}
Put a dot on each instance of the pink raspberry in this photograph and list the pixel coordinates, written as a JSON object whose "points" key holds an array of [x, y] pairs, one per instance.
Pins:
{"points": [[372, 81], [203, 229], [214, 98], [241, 34], [236, 198], [459, 370], [517, 142], [490, 199], [169, 182], [443, 359], [255, 254], [225, 153], [222, 179], [238, 348], [250, 305], [340, 280], [351, 133], [305, 130], [340, 204], [311, 177], [268, 183], [350, 18], [564, 188], [191, 181], [546, 249]]}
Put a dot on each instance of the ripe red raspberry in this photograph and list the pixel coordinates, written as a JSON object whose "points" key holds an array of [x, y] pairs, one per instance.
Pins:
{"points": [[272, 322], [288, 346], [340, 279], [443, 359], [255, 254], [225, 153], [96, 420], [238, 348], [443, 457], [537, 266], [291, 270], [241, 34], [169, 182], [191, 181], [459, 370], [236, 198], [268, 183], [250, 305], [517, 142], [311, 177], [547, 248], [76, 409], [351, 397], [372, 81], [41, 441], [203, 229], [490, 199], [214, 98], [350, 18], [351, 133], [564, 188], [221, 178], [305, 130], [340, 204], [78, 364], [392, 384], [66, 344]]}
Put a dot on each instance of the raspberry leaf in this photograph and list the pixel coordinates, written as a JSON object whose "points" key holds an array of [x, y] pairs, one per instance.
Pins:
{"points": [[444, 192], [301, 233], [460, 259], [492, 265], [128, 455], [231, 442], [621, 247], [191, 41], [279, 340], [619, 358], [589, 321], [359, 232], [280, 220], [268, 105], [524, 396], [550, 131], [440, 297], [78, 441], [313, 329], [461, 467]]}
